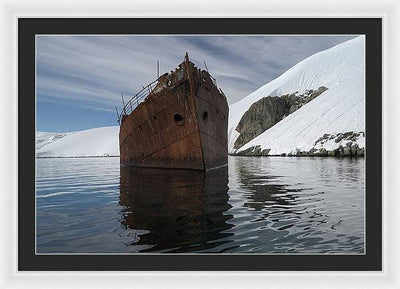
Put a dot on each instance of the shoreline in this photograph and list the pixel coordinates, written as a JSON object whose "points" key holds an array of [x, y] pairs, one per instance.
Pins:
{"points": [[232, 155], [298, 156], [76, 157]]}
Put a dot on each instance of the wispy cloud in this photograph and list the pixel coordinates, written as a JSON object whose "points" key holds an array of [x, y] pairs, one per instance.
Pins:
{"points": [[92, 71]]}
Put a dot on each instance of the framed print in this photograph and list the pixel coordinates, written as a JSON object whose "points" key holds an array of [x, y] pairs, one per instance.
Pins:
{"points": [[257, 146]]}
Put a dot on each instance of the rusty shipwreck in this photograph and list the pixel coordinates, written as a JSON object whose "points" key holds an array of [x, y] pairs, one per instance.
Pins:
{"points": [[179, 121]]}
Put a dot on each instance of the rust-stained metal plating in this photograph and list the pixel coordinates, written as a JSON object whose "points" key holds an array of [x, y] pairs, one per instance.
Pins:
{"points": [[178, 121]]}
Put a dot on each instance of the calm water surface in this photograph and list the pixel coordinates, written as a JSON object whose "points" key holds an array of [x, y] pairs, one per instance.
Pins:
{"points": [[257, 205]]}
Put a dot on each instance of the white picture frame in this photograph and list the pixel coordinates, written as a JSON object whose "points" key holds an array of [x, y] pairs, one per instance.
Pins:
{"points": [[388, 10]]}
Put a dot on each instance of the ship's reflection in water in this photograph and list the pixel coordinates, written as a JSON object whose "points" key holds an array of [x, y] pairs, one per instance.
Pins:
{"points": [[177, 210], [273, 206]]}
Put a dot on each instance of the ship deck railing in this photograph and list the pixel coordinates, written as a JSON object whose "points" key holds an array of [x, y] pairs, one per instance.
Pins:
{"points": [[137, 99], [212, 79]]}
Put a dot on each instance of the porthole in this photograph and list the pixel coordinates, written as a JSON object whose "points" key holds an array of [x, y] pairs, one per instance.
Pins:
{"points": [[205, 116], [178, 119]]}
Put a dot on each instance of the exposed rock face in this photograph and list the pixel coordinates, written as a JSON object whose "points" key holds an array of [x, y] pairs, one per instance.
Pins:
{"points": [[253, 151], [261, 115], [268, 111], [328, 145], [347, 144]]}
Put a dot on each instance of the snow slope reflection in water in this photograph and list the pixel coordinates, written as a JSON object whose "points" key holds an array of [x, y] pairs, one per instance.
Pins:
{"points": [[258, 205]]}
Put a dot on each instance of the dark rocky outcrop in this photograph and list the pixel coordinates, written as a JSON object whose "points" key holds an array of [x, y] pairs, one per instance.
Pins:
{"points": [[350, 149], [253, 151], [268, 111], [350, 136], [262, 115]]}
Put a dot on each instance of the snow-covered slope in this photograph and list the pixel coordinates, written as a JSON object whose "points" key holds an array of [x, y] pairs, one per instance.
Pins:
{"points": [[44, 138], [340, 109], [101, 141]]}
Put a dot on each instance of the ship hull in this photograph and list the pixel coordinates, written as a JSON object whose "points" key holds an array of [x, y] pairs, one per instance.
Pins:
{"points": [[183, 126]]}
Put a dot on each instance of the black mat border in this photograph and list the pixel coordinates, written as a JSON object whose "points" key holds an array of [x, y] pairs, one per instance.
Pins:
{"points": [[29, 27]]}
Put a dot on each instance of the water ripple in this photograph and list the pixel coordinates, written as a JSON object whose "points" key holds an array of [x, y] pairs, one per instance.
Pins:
{"points": [[258, 205]]}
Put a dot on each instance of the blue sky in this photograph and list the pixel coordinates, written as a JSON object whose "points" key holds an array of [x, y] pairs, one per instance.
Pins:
{"points": [[79, 79]]}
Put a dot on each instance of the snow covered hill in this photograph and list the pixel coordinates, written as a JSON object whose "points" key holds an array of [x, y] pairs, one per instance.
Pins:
{"points": [[45, 138], [102, 141], [336, 112]]}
